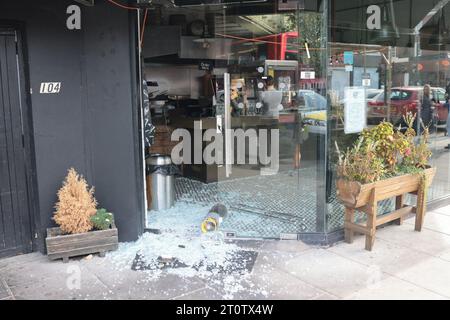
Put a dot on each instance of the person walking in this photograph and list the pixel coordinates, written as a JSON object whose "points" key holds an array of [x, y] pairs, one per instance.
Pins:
{"points": [[426, 112], [271, 99], [447, 107]]}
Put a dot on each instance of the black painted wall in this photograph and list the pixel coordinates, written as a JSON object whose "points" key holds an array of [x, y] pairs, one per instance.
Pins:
{"points": [[92, 124]]}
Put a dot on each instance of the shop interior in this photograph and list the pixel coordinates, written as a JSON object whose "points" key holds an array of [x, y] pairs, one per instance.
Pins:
{"points": [[241, 66]]}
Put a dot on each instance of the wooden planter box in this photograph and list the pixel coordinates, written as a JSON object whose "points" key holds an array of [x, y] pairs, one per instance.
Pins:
{"points": [[365, 197], [64, 246]]}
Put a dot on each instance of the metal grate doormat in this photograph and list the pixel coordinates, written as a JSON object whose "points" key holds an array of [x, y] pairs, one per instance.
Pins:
{"points": [[240, 262], [259, 206]]}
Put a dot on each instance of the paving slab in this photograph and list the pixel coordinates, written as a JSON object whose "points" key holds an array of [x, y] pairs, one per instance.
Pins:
{"points": [[167, 286], [332, 273], [75, 284], [204, 293], [8, 263], [269, 260], [435, 222], [125, 283], [289, 246], [4, 293], [326, 296], [238, 289], [432, 274], [111, 276], [38, 270], [429, 242], [263, 284], [443, 210], [281, 285], [386, 256], [393, 288]]}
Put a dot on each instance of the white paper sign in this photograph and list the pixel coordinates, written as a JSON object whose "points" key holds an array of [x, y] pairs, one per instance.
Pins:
{"points": [[307, 75], [50, 87], [355, 110], [366, 82]]}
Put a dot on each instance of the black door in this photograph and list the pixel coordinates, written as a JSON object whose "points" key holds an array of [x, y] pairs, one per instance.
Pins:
{"points": [[15, 222]]}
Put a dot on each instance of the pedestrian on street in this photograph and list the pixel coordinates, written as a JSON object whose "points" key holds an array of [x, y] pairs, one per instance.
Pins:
{"points": [[447, 106]]}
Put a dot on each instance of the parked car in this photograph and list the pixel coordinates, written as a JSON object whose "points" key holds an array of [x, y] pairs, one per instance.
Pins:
{"points": [[313, 108], [404, 100], [371, 95], [310, 100]]}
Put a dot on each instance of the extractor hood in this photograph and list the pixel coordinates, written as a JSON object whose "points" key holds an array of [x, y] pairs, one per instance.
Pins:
{"points": [[167, 40]]}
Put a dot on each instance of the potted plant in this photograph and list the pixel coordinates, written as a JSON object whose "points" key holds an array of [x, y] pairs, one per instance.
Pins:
{"points": [[384, 163], [82, 228]]}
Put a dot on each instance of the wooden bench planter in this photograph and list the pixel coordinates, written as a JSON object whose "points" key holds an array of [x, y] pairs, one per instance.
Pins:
{"points": [[365, 198], [66, 246]]}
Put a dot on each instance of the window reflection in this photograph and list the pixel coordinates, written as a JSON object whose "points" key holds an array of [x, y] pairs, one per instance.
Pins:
{"points": [[402, 60]]}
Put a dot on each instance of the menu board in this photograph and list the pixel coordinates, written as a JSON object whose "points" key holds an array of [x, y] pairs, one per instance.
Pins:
{"points": [[355, 110]]}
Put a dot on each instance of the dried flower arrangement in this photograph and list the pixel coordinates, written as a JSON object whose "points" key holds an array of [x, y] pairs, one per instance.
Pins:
{"points": [[76, 205], [384, 151]]}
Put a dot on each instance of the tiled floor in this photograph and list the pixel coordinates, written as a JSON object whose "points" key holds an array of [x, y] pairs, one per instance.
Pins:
{"points": [[283, 201], [403, 265]]}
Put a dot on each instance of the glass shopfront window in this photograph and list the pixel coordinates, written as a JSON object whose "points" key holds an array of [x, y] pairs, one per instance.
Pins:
{"points": [[276, 53], [393, 51], [254, 72], [284, 71]]}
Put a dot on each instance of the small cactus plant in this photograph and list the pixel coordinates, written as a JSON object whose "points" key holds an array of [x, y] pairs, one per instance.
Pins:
{"points": [[102, 220]]}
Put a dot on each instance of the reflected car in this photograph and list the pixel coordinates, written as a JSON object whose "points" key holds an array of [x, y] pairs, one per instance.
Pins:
{"points": [[404, 100], [313, 108], [310, 100], [371, 95]]}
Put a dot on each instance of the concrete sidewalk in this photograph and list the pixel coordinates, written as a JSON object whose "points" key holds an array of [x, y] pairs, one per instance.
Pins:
{"points": [[403, 265]]}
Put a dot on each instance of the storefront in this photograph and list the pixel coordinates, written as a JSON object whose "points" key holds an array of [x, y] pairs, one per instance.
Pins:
{"points": [[68, 98], [254, 50], [258, 88]]}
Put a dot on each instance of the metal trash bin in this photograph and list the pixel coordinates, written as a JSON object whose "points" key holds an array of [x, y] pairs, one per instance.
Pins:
{"points": [[163, 181]]}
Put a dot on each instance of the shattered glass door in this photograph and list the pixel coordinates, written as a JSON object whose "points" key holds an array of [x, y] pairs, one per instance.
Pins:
{"points": [[272, 115]]}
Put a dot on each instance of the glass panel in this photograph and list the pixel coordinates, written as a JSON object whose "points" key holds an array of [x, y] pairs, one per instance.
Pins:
{"points": [[245, 85], [276, 117], [395, 48]]}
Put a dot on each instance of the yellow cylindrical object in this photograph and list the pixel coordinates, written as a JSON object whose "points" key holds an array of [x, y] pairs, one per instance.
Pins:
{"points": [[214, 218], [207, 222]]}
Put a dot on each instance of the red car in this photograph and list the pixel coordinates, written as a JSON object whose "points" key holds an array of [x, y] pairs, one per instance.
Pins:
{"points": [[407, 99]]}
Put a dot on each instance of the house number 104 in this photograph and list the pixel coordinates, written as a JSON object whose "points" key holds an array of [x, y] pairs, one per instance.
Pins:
{"points": [[50, 87]]}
